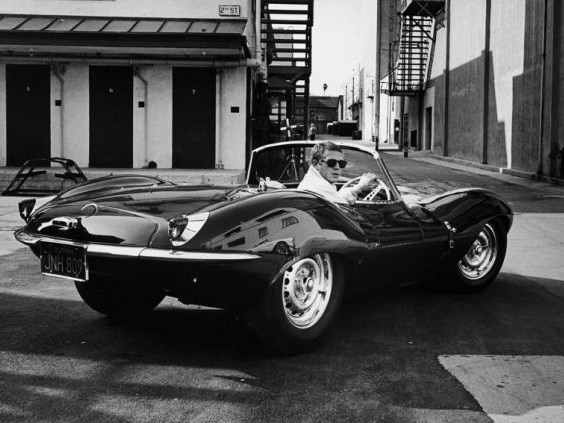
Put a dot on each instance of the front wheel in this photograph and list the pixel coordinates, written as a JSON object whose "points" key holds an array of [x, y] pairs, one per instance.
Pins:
{"points": [[119, 298], [298, 309], [478, 268]]}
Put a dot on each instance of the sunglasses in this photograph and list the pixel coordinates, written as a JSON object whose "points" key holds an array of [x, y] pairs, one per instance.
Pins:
{"points": [[333, 162]]}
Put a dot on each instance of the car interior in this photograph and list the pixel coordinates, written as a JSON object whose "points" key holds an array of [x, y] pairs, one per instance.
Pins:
{"points": [[284, 168]]}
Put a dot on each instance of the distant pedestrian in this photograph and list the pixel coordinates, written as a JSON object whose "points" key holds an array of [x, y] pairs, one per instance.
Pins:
{"points": [[312, 131]]}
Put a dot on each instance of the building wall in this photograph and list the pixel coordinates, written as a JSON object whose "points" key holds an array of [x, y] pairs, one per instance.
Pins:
{"points": [[494, 72], [196, 9], [368, 9], [466, 69], [428, 139], [362, 90], [179, 9], [152, 124], [151, 142], [507, 54], [436, 89], [553, 149], [233, 124], [2, 114], [368, 108], [75, 109], [523, 151], [383, 134]]}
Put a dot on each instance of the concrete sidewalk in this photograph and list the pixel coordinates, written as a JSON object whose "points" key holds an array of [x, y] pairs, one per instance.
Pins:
{"points": [[460, 163], [10, 220], [515, 176]]}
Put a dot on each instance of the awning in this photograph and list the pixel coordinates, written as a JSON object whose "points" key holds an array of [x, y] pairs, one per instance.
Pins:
{"points": [[130, 38]]}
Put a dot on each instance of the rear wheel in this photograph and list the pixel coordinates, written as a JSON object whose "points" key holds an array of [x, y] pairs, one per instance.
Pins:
{"points": [[300, 306], [119, 298], [482, 262]]}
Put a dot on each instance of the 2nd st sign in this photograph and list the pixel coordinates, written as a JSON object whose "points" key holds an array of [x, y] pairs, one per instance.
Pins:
{"points": [[229, 10]]}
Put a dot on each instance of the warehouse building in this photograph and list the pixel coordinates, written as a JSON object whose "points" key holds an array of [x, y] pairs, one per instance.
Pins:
{"points": [[472, 80], [123, 83]]}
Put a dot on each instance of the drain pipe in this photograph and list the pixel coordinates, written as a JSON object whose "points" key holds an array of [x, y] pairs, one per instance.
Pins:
{"points": [[447, 80], [218, 116], [137, 73], [540, 169], [58, 71]]}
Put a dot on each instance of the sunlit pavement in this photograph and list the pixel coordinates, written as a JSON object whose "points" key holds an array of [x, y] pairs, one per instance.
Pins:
{"points": [[513, 389], [9, 221]]}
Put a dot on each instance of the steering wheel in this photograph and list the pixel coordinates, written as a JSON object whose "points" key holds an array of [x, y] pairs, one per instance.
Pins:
{"points": [[381, 187]]}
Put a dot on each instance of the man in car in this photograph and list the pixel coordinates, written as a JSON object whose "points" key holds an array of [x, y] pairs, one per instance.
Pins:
{"points": [[327, 163]]}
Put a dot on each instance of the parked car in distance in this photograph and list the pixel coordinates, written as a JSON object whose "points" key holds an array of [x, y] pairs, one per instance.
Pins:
{"points": [[281, 256]]}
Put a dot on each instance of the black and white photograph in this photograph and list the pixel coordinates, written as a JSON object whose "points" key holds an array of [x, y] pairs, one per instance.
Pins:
{"points": [[271, 211]]}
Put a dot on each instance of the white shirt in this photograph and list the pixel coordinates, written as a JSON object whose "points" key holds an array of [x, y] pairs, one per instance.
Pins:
{"points": [[314, 182]]}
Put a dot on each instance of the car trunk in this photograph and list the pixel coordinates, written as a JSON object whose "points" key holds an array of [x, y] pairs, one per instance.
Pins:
{"points": [[127, 217], [95, 224]]}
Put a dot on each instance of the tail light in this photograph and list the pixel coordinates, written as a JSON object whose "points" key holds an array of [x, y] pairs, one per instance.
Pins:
{"points": [[176, 226], [26, 208], [183, 228]]}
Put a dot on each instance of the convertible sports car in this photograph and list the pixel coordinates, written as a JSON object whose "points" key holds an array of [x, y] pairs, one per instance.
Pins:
{"points": [[280, 255]]}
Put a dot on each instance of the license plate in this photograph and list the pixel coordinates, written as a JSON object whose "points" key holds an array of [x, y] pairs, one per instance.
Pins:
{"points": [[63, 261]]}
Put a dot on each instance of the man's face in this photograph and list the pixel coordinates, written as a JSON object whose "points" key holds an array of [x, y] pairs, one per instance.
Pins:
{"points": [[332, 174]]}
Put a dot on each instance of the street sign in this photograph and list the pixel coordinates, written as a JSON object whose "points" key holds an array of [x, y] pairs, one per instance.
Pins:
{"points": [[229, 10]]}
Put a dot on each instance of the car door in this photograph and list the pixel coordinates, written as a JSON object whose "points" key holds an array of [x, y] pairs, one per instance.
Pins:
{"points": [[403, 244]]}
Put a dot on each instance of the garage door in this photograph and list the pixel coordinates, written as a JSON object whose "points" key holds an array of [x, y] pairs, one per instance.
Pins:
{"points": [[193, 128], [28, 115], [111, 116]]}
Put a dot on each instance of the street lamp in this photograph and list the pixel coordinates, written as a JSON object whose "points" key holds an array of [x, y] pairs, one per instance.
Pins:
{"points": [[324, 89]]}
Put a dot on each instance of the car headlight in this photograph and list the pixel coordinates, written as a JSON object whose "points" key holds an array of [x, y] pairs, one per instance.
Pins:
{"points": [[183, 228]]}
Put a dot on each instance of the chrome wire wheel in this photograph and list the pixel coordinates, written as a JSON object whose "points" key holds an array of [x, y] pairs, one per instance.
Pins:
{"points": [[481, 257], [306, 290]]}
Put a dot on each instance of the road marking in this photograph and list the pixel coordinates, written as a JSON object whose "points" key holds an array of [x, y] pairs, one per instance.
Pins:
{"points": [[512, 389]]}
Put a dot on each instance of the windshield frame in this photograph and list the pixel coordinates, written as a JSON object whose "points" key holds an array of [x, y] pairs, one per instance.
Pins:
{"points": [[378, 163]]}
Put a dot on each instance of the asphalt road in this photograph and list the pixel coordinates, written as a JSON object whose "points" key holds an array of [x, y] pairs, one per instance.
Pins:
{"points": [[406, 355]]}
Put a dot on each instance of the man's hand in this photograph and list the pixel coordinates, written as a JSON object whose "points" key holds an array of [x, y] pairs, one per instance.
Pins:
{"points": [[365, 181]]}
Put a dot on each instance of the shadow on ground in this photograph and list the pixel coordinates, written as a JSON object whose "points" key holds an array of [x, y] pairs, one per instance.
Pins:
{"points": [[62, 360]]}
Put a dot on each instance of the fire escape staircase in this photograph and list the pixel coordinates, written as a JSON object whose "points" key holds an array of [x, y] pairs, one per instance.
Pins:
{"points": [[286, 37], [411, 57]]}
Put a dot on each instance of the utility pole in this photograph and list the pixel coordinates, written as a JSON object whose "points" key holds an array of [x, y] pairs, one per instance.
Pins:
{"points": [[343, 117], [352, 99]]}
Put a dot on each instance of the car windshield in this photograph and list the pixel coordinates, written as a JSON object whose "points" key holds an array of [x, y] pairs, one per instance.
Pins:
{"points": [[289, 165], [45, 176]]}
